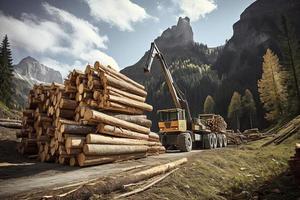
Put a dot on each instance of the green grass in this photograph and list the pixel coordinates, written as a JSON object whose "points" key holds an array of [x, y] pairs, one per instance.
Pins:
{"points": [[6, 112], [233, 173]]}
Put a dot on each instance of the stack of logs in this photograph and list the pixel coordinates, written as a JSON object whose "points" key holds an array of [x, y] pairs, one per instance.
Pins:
{"points": [[294, 163], [216, 123], [95, 117]]}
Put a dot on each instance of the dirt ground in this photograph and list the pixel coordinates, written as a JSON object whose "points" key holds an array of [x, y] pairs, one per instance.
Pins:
{"points": [[21, 175], [237, 172]]}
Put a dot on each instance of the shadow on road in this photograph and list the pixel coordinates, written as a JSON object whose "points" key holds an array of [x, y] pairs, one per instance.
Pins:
{"points": [[15, 165]]}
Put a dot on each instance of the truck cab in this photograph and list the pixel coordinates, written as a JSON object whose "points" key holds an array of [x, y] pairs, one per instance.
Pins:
{"points": [[172, 120]]}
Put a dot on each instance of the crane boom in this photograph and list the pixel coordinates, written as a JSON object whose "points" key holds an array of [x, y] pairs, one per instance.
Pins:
{"points": [[178, 97]]}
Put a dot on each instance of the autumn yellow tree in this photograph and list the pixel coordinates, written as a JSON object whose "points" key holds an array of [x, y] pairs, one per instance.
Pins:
{"points": [[209, 105], [235, 110], [249, 107], [272, 87]]}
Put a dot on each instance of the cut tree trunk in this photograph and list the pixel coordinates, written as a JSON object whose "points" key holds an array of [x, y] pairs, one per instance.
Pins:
{"points": [[77, 129], [101, 139], [136, 119], [84, 160], [101, 117], [111, 81], [119, 132], [104, 150], [117, 74], [130, 102]]}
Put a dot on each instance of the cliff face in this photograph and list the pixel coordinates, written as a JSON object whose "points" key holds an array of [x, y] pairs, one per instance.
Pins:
{"points": [[176, 43], [179, 35], [259, 28]]}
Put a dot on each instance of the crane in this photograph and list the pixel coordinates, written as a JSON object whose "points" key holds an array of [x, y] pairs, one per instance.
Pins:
{"points": [[175, 128]]}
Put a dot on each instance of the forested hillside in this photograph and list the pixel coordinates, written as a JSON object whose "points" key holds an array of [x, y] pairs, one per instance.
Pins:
{"points": [[200, 71]]}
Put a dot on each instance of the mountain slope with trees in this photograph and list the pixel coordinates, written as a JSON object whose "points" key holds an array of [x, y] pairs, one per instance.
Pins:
{"points": [[236, 67]]}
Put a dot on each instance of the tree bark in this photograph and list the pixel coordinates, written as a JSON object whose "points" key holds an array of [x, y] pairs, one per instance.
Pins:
{"points": [[126, 94], [77, 129], [115, 131], [101, 139], [136, 119], [84, 160], [125, 86], [93, 115], [67, 104], [104, 150], [130, 102], [119, 75], [114, 184]]}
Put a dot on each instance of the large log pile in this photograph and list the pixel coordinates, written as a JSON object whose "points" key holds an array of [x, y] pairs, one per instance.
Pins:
{"points": [[95, 117]]}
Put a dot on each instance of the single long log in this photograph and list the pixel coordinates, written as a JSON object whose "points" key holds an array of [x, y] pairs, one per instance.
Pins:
{"points": [[117, 107], [136, 119], [153, 135], [123, 85], [84, 160], [10, 120], [126, 94], [104, 150], [97, 65], [115, 131], [130, 102], [77, 129], [15, 125], [101, 117], [113, 184], [101, 139]]}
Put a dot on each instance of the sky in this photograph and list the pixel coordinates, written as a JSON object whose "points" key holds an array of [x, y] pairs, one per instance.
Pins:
{"points": [[67, 34]]}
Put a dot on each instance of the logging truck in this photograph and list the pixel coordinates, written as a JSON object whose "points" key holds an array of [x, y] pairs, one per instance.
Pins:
{"points": [[176, 126]]}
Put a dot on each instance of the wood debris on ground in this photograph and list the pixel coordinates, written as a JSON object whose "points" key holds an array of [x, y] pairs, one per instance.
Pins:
{"points": [[287, 130], [248, 135], [119, 183], [11, 123], [95, 117]]}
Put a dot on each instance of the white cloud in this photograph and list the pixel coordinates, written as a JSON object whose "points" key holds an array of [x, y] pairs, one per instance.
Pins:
{"points": [[58, 41], [196, 9], [120, 13]]}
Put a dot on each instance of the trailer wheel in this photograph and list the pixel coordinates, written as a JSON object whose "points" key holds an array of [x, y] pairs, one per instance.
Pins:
{"points": [[215, 140], [224, 140], [220, 140], [163, 140], [185, 142], [208, 141]]}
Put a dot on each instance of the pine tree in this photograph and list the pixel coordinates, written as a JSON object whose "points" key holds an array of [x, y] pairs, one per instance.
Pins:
{"points": [[209, 105], [248, 105], [234, 110], [6, 72], [272, 87], [291, 58]]}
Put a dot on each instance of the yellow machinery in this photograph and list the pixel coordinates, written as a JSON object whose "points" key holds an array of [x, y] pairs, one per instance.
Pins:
{"points": [[176, 126]]}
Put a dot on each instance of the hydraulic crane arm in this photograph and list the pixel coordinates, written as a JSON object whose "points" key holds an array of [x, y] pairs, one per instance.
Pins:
{"points": [[177, 96]]}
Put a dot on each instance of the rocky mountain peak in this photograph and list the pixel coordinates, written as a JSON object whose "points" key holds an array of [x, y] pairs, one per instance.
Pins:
{"points": [[32, 71], [178, 35]]}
